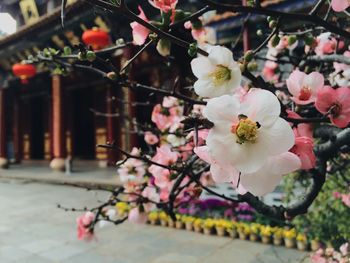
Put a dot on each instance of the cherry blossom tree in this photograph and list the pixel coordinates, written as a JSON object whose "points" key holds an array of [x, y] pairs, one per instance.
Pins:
{"points": [[249, 118]]}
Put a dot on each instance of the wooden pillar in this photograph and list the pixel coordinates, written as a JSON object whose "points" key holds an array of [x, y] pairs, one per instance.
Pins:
{"points": [[58, 129], [246, 43], [17, 130], [129, 139], [3, 141], [112, 125]]}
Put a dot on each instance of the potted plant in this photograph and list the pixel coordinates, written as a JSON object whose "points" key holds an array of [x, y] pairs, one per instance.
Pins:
{"points": [[188, 221], [231, 228], [277, 236], [179, 224], [163, 217], [301, 242], [197, 225], [289, 237], [243, 231], [220, 227], [208, 226], [254, 232], [266, 233], [315, 244], [153, 218]]}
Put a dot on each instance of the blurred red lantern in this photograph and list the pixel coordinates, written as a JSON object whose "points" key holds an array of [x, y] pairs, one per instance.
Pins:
{"points": [[24, 71], [97, 38]]}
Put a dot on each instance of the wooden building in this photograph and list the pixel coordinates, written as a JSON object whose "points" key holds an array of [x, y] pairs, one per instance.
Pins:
{"points": [[55, 117]]}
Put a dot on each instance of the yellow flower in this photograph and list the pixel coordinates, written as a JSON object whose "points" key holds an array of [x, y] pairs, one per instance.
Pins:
{"points": [[153, 215], [290, 233], [208, 223], [301, 237], [163, 216], [122, 207], [198, 222], [266, 231]]}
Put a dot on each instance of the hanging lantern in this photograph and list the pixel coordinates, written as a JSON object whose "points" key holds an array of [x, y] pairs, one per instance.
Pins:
{"points": [[97, 38], [24, 71]]}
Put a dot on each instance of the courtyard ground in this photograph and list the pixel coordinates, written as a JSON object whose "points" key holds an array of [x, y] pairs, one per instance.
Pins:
{"points": [[34, 230]]}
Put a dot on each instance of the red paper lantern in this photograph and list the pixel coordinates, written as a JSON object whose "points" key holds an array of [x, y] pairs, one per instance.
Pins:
{"points": [[24, 71], [97, 38]]}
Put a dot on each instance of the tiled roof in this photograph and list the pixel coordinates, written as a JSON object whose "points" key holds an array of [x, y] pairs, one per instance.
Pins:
{"points": [[42, 22]]}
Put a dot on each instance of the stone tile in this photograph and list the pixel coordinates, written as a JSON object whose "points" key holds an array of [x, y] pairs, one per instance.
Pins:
{"points": [[10, 253], [64, 252], [41, 245]]}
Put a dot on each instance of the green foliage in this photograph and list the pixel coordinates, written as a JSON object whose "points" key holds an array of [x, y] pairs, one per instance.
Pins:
{"points": [[328, 218]]}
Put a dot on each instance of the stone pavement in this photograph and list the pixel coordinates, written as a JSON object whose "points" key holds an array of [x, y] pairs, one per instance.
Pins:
{"points": [[84, 173], [33, 230]]}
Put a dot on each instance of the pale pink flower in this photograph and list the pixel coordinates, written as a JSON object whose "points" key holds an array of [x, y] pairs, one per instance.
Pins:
{"points": [[246, 133], [218, 74], [133, 170], [344, 249], [151, 194], [327, 44], [137, 217], [151, 138], [304, 87], [139, 32], [336, 195], [302, 129], [259, 183], [336, 103], [203, 34], [169, 102], [303, 148], [164, 5], [340, 5], [346, 199], [316, 258], [270, 70], [167, 118], [83, 223]]}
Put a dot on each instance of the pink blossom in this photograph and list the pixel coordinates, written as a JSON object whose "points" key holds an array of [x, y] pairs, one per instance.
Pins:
{"points": [[151, 138], [164, 5], [304, 87], [316, 258], [303, 148], [302, 129], [139, 32], [344, 249], [336, 195], [137, 217], [167, 118], [151, 194], [269, 71], [336, 103], [327, 44], [340, 5], [83, 222], [346, 199]]}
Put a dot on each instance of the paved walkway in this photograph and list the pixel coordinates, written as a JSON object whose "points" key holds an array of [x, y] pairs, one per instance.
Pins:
{"points": [[33, 230], [84, 173]]}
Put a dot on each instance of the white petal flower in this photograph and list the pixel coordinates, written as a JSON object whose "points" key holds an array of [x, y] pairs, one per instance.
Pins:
{"points": [[269, 175], [245, 135], [218, 74]]}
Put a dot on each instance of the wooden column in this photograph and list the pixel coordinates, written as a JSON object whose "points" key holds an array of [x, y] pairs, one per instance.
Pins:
{"points": [[58, 130], [3, 141], [17, 130], [112, 125], [246, 43]]}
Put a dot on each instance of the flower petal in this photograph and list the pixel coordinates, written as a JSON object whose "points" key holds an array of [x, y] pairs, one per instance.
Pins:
{"points": [[224, 108], [261, 106]]}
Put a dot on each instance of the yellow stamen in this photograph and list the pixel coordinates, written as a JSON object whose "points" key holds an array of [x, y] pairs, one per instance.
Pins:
{"points": [[220, 75], [246, 131]]}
